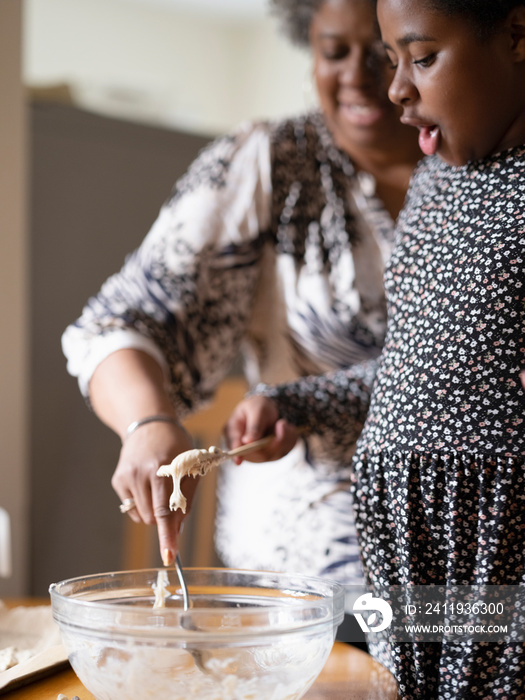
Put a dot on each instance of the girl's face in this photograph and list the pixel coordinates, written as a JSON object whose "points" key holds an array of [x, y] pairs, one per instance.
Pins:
{"points": [[352, 74], [459, 91]]}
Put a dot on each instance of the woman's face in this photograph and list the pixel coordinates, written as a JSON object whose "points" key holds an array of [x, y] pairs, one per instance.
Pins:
{"points": [[459, 91], [352, 74]]}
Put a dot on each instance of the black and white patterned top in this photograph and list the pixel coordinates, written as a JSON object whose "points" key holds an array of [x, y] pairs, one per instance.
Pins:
{"points": [[439, 483], [273, 246]]}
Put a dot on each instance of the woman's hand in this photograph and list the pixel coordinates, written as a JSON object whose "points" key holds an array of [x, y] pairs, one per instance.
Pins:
{"points": [[128, 386], [142, 453], [254, 418]]}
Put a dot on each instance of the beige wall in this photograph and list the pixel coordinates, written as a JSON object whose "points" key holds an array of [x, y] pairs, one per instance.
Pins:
{"points": [[14, 431], [191, 71]]}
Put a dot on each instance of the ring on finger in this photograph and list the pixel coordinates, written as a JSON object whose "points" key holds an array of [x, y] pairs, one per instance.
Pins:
{"points": [[127, 505]]}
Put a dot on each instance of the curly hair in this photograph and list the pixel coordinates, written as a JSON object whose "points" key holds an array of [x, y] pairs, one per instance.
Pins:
{"points": [[296, 17]]}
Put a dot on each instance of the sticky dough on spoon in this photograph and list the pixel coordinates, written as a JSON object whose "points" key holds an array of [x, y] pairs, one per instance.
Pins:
{"points": [[160, 589], [190, 463]]}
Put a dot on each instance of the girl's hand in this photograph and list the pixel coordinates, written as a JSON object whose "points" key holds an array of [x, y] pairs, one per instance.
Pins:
{"points": [[254, 418], [142, 453]]}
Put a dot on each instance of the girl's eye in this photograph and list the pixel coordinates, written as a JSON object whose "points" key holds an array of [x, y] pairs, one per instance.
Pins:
{"points": [[425, 62]]}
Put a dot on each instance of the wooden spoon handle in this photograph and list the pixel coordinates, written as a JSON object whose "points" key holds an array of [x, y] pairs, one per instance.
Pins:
{"points": [[250, 447]]}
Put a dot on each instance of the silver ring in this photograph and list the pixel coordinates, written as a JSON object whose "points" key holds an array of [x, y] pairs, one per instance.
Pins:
{"points": [[127, 505]]}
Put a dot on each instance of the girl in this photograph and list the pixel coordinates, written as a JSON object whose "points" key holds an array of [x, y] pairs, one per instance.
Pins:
{"points": [[439, 476]]}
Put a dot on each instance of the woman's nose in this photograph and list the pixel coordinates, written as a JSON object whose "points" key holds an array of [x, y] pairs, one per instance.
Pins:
{"points": [[356, 71], [402, 90]]}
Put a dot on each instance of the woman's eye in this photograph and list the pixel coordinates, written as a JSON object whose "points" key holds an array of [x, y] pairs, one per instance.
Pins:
{"points": [[335, 54], [378, 50], [390, 61], [377, 57]]}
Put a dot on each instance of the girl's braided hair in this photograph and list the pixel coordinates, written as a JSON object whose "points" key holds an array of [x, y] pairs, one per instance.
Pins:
{"points": [[296, 17]]}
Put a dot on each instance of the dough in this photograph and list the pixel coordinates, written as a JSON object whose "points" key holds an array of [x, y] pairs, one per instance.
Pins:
{"points": [[190, 463]]}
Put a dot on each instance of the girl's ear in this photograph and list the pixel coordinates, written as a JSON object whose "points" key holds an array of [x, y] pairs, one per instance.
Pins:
{"points": [[516, 24]]}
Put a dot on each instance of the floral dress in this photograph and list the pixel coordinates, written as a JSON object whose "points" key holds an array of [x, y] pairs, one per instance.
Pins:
{"points": [[272, 247], [439, 481]]}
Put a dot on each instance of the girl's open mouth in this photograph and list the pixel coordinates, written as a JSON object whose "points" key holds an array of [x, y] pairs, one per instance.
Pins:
{"points": [[429, 139]]}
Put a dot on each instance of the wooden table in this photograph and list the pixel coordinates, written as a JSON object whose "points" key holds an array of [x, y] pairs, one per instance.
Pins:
{"points": [[349, 674]]}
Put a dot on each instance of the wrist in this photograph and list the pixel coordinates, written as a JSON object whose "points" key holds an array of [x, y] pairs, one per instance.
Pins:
{"points": [[155, 418]]}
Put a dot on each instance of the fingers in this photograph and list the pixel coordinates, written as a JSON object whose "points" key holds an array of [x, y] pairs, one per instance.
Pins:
{"points": [[134, 515], [252, 418], [284, 440], [168, 528], [261, 417], [235, 428], [132, 481], [136, 477], [169, 522], [285, 437]]}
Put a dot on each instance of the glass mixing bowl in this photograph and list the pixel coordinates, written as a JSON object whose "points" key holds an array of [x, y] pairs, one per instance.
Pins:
{"points": [[248, 635]]}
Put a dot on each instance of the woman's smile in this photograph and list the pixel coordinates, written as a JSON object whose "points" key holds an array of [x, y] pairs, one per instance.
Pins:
{"points": [[362, 114], [352, 77]]}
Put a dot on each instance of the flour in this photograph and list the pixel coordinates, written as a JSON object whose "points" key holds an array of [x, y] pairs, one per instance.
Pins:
{"points": [[11, 656], [116, 669], [24, 632]]}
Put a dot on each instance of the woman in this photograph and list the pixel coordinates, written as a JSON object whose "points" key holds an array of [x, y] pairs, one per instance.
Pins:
{"points": [[273, 244]]}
